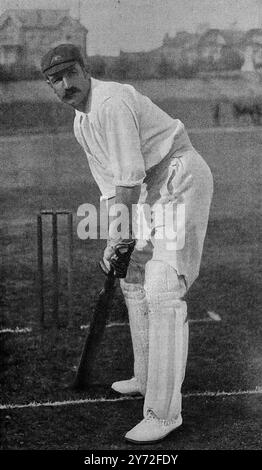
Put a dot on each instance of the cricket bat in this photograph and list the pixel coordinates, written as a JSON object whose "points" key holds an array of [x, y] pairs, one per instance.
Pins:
{"points": [[119, 263], [95, 333]]}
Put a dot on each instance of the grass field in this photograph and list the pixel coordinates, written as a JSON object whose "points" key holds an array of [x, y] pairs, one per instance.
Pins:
{"points": [[33, 107], [223, 385], [156, 89]]}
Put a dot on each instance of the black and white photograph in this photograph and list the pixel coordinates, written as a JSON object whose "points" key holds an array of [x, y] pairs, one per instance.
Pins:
{"points": [[130, 229]]}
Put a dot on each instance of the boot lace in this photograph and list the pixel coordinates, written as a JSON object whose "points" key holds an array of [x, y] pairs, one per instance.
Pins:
{"points": [[151, 416]]}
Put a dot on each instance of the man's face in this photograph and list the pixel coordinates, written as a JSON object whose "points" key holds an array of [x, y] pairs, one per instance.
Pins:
{"points": [[71, 86]]}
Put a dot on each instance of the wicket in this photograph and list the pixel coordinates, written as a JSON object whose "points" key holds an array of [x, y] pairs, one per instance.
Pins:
{"points": [[55, 273]]}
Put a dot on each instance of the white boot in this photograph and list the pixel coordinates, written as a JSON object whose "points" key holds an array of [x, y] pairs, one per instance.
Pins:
{"points": [[137, 308], [127, 387], [152, 430]]}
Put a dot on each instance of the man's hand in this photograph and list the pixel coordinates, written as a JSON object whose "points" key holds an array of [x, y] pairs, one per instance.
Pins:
{"points": [[117, 258]]}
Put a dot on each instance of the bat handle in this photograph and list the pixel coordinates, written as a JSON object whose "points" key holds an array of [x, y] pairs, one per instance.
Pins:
{"points": [[110, 278]]}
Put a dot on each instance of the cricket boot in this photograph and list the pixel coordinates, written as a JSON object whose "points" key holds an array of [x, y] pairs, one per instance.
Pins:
{"points": [[127, 387], [152, 429]]}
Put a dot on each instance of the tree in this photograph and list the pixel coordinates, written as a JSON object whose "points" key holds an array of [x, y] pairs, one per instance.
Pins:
{"points": [[97, 66], [121, 67], [165, 68], [230, 59]]}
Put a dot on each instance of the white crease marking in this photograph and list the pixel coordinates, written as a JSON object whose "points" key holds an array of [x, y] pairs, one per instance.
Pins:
{"points": [[13, 406]]}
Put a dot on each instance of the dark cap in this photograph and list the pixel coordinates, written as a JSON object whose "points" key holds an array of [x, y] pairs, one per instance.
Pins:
{"points": [[61, 57]]}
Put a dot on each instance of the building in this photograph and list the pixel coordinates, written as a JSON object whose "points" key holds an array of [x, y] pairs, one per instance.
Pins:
{"points": [[214, 42], [181, 48], [251, 47], [25, 35], [213, 50]]}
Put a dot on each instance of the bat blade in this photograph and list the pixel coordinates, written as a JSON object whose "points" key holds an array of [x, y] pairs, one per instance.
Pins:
{"points": [[95, 334]]}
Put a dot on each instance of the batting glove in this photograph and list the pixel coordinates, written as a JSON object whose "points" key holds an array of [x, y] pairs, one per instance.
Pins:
{"points": [[116, 258]]}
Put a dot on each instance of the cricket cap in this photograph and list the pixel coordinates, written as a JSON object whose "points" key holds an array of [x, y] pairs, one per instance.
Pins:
{"points": [[60, 58]]}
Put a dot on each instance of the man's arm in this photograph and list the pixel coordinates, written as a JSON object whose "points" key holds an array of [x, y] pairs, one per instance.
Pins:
{"points": [[120, 125], [128, 197]]}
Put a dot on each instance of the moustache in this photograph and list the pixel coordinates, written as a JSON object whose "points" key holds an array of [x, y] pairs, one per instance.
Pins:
{"points": [[70, 93]]}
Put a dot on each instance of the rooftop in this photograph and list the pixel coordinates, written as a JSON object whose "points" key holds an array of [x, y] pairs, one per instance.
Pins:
{"points": [[37, 17]]}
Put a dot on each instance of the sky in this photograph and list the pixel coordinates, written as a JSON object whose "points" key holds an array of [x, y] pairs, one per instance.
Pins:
{"points": [[136, 25]]}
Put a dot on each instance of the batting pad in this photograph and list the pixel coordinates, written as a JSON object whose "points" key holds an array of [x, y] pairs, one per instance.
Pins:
{"points": [[136, 303], [168, 340]]}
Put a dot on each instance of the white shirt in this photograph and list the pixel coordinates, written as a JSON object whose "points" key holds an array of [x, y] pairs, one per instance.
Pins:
{"points": [[124, 134]]}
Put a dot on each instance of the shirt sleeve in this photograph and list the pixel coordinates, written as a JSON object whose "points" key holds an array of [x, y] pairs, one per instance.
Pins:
{"points": [[121, 134]]}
